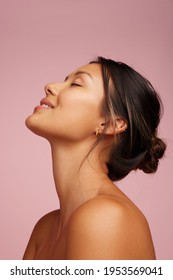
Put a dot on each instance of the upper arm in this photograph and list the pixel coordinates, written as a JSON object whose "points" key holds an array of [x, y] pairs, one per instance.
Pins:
{"points": [[105, 230]]}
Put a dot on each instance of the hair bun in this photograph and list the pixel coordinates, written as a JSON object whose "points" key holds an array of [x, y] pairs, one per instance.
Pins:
{"points": [[152, 156]]}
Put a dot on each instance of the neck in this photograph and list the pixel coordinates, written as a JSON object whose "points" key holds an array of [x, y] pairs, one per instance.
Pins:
{"points": [[76, 180]]}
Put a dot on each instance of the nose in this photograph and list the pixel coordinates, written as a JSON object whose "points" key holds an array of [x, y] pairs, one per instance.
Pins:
{"points": [[51, 88]]}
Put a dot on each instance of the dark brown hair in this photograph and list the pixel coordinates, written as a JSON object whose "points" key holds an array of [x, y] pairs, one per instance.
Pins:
{"points": [[132, 97]]}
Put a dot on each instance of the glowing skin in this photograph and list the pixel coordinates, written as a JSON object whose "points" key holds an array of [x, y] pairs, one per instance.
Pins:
{"points": [[76, 112], [95, 220]]}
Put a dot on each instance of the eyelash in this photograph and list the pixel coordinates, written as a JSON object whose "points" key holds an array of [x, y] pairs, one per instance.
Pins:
{"points": [[75, 84]]}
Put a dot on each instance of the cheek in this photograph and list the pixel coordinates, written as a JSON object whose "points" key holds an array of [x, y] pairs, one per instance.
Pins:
{"points": [[75, 119], [82, 109]]}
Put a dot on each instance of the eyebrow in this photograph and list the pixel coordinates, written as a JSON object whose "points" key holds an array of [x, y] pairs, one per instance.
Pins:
{"points": [[79, 73]]}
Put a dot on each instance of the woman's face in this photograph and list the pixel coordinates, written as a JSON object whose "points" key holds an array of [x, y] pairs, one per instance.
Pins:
{"points": [[74, 111]]}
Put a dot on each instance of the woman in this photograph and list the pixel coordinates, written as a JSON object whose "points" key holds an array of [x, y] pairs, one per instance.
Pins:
{"points": [[101, 123]]}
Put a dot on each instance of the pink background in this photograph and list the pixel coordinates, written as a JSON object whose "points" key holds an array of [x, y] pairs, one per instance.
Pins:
{"points": [[44, 40]]}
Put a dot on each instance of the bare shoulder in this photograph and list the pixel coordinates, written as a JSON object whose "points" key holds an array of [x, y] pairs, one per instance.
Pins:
{"points": [[39, 233], [46, 220], [112, 228], [109, 209], [44, 225]]}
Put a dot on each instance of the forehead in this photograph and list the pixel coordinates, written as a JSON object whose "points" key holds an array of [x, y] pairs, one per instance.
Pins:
{"points": [[93, 69]]}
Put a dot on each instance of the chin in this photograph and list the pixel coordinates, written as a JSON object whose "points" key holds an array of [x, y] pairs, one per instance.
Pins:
{"points": [[29, 122], [32, 125], [37, 127]]}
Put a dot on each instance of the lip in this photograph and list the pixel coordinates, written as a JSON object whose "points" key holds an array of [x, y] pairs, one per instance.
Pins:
{"points": [[47, 102]]}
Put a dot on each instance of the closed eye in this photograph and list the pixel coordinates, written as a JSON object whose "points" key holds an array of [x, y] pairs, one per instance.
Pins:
{"points": [[75, 84]]}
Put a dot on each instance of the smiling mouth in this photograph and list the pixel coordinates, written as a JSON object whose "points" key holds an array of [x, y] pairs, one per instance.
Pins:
{"points": [[46, 103], [46, 106], [43, 107]]}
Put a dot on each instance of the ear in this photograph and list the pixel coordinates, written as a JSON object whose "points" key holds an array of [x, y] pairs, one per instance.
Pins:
{"points": [[116, 126]]}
